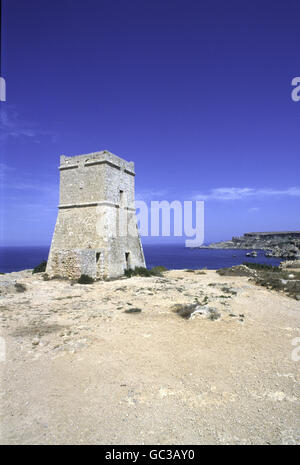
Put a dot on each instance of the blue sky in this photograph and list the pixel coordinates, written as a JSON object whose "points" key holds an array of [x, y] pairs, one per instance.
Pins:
{"points": [[196, 93]]}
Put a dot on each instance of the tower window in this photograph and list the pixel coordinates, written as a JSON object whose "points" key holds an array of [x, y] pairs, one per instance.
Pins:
{"points": [[127, 258], [121, 198]]}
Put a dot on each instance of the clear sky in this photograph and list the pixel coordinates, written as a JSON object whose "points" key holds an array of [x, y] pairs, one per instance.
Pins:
{"points": [[196, 93]]}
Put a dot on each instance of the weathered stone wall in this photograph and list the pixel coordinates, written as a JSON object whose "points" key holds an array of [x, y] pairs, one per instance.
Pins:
{"points": [[96, 224], [72, 263]]}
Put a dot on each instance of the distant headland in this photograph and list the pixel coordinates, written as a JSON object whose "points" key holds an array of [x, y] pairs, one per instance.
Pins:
{"points": [[281, 244]]}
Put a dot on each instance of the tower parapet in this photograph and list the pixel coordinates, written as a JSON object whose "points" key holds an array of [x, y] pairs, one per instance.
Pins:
{"points": [[96, 231]]}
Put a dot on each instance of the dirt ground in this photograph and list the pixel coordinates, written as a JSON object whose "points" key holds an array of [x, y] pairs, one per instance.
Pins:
{"points": [[78, 369]]}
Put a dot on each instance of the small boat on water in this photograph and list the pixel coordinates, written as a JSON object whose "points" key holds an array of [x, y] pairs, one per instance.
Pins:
{"points": [[251, 254]]}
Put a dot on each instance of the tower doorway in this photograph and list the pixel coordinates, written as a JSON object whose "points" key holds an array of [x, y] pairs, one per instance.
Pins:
{"points": [[127, 259], [99, 265]]}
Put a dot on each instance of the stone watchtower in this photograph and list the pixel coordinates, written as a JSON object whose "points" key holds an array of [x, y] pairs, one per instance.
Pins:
{"points": [[96, 231]]}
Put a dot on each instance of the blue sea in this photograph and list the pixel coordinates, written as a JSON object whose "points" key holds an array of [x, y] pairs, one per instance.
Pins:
{"points": [[171, 256]]}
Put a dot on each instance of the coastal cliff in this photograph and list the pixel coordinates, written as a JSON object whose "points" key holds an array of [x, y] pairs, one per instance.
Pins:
{"points": [[282, 244]]}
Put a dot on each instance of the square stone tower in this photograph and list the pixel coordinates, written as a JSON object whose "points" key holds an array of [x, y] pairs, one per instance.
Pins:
{"points": [[96, 231]]}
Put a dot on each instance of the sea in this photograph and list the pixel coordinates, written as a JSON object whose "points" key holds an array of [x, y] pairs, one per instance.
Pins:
{"points": [[172, 256]]}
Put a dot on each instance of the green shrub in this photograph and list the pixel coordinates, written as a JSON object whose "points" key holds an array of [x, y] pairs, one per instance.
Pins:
{"points": [[41, 268], [159, 269], [228, 290], [137, 271], [214, 314], [20, 287], [85, 279], [133, 310], [239, 270], [184, 311], [59, 277], [261, 267], [293, 288], [142, 271], [205, 300], [280, 282]]}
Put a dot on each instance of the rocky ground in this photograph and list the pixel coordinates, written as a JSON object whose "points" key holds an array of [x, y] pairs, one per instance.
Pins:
{"points": [[81, 366]]}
